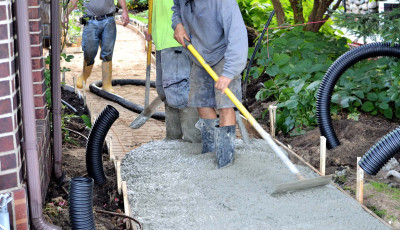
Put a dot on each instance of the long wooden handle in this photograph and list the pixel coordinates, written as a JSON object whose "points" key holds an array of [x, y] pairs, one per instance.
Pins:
{"points": [[246, 113]]}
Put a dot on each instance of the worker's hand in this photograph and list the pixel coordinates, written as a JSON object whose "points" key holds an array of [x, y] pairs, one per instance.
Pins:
{"points": [[222, 83], [147, 35], [180, 34], [125, 17]]}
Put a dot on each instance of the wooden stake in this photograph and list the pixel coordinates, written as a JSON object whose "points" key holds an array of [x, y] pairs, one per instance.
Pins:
{"points": [[272, 119], [129, 224], [322, 158], [119, 179], [112, 157], [74, 85], [84, 92], [360, 183]]}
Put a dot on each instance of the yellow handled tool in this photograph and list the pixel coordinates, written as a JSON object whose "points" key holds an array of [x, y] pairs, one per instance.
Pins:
{"points": [[149, 50], [302, 183]]}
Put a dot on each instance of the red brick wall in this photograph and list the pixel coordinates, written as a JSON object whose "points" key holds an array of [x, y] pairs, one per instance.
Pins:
{"points": [[12, 160]]}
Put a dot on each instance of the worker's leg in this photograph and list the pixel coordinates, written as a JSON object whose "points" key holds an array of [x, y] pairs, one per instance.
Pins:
{"points": [[226, 132], [189, 116], [90, 46], [108, 36], [172, 123]]}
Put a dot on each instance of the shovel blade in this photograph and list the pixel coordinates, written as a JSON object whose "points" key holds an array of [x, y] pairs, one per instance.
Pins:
{"points": [[146, 114], [302, 184]]}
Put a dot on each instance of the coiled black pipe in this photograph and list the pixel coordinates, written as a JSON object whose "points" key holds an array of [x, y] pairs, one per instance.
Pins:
{"points": [[80, 202], [254, 55], [95, 88], [381, 152], [333, 74], [94, 145]]}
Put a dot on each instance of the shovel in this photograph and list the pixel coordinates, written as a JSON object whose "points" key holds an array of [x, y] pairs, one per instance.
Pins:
{"points": [[301, 183], [149, 50], [146, 113]]}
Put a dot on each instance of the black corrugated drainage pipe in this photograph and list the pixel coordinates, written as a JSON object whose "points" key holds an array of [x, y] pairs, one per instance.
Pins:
{"points": [[332, 76], [381, 153], [94, 145], [95, 88], [80, 202], [29, 144]]}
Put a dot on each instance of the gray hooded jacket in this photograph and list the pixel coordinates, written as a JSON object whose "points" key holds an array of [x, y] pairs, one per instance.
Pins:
{"points": [[216, 30]]}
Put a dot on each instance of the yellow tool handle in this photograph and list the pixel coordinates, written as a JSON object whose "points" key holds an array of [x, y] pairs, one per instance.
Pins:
{"points": [[150, 26], [246, 113]]}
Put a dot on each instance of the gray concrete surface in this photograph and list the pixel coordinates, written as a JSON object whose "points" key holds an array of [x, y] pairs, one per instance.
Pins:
{"points": [[172, 186]]}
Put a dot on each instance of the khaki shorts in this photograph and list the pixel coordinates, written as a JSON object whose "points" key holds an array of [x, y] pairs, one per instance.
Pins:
{"points": [[202, 92]]}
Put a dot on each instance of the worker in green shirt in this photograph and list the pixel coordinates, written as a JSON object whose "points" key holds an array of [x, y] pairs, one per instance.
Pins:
{"points": [[172, 76]]}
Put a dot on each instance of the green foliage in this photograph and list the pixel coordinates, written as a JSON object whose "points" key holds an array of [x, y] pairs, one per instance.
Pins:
{"points": [[380, 213], [142, 16], [255, 13], [372, 86], [87, 121], [298, 61], [372, 25], [137, 4]]}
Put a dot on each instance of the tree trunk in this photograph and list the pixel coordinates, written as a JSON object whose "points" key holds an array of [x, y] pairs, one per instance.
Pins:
{"points": [[280, 14], [297, 6], [318, 14]]}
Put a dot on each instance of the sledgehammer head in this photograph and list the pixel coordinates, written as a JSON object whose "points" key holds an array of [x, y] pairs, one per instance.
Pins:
{"points": [[302, 184]]}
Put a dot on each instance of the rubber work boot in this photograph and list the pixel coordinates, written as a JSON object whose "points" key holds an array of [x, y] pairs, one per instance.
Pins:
{"points": [[107, 76], [87, 70], [225, 144], [172, 123], [189, 116], [207, 129]]}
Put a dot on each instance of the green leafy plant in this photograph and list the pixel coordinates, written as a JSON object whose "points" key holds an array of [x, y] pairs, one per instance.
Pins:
{"points": [[375, 26], [87, 121], [296, 65], [380, 213], [384, 188]]}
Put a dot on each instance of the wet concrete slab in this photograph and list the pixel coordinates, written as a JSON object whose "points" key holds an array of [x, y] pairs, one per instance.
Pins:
{"points": [[172, 186]]}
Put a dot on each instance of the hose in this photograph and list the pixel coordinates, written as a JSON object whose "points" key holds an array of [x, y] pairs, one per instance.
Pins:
{"points": [[94, 145], [95, 88], [254, 55], [381, 153], [333, 74], [80, 201]]}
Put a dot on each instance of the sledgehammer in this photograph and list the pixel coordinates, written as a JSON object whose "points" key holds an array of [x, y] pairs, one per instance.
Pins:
{"points": [[301, 183]]}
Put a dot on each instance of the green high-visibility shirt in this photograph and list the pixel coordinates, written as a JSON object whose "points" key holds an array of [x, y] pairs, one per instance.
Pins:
{"points": [[162, 32]]}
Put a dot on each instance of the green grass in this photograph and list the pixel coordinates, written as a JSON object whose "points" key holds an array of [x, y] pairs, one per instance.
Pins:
{"points": [[142, 16], [382, 187], [380, 213]]}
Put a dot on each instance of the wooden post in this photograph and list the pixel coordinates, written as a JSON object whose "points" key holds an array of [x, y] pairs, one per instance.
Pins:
{"points": [[360, 183], [119, 179], [322, 158], [272, 119], [74, 85], [129, 224], [112, 157]]}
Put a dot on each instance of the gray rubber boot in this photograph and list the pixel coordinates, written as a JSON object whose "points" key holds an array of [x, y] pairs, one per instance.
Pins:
{"points": [[172, 123], [225, 144], [207, 129], [189, 116]]}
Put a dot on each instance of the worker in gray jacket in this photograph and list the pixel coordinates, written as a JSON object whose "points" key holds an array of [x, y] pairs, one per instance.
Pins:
{"points": [[216, 29]]}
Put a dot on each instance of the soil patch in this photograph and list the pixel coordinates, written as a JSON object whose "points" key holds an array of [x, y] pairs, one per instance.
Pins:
{"points": [[105, 196]]}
